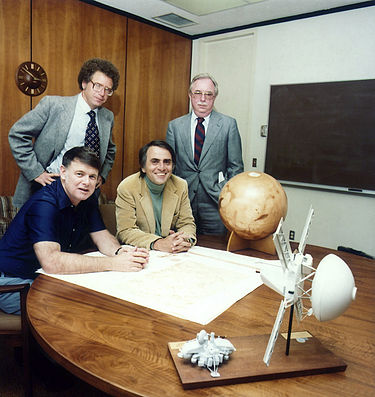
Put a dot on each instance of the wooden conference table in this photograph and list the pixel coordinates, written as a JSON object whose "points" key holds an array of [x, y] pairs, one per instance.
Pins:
{"points": [[121, 348]]}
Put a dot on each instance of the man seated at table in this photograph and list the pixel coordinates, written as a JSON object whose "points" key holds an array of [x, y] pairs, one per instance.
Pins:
{"points": [[152, 206], [50, 225]]}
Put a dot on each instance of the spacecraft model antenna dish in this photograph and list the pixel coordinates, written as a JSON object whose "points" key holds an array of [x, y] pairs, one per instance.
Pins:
{"points": [[331, 292]]}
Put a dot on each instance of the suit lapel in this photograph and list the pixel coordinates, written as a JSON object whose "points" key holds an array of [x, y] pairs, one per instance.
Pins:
{"points": [[185, 133], [65, 118], [146, 203], [169, 204], [214, 127], [103, 133]]}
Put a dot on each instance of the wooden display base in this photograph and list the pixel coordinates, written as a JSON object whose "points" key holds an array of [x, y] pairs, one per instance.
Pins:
{"points": [[236, 243], [246, 363]]}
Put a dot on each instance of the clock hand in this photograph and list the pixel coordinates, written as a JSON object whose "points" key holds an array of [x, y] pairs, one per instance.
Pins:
{"points": [[35, 78]]}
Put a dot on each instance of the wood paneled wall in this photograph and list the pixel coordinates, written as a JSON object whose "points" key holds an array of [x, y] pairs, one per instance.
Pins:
{"points": [[64, 35], [157, 83], [154, 66], [14, 48]]}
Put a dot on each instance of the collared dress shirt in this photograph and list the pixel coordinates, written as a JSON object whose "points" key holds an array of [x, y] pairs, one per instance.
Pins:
{"points": [[76, 134]]}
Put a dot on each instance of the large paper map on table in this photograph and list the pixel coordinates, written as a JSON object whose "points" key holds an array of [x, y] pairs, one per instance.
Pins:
{"points": [[197, 285]]}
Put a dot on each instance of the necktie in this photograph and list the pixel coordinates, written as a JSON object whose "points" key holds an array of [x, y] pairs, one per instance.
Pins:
{"points": [[198, 140], [92, 140]]}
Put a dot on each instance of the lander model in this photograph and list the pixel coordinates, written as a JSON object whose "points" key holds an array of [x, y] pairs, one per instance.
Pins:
{"points": [[207, 351]]}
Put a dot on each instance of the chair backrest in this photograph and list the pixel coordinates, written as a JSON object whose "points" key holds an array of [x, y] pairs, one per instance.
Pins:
{"points": [[7, 213], [108, 212]]}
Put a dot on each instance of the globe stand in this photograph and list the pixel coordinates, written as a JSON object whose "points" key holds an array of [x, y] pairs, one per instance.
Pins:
{"points": [[236, 243]]}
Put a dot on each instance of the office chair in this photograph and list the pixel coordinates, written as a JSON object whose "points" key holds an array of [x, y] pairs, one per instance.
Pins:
{"points": [[14, 329], [355, 252], [7, 213], [108, 212]]}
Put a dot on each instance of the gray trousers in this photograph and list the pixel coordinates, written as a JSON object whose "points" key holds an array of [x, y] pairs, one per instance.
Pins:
{"points": [[206, 214]]}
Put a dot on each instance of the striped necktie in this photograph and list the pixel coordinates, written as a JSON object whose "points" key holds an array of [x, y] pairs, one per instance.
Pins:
{"points": [[92, 140], [198, 140]]}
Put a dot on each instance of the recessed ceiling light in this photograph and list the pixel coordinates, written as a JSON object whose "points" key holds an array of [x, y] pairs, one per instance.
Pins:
{"points": [[204, 7], [174, 20]]}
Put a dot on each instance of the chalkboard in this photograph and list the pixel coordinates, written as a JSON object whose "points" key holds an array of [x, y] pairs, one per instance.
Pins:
{"points": [[323, 134]]}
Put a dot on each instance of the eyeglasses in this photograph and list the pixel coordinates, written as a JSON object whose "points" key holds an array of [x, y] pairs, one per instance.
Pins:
{"points": [[99, 87], [207, 94]]}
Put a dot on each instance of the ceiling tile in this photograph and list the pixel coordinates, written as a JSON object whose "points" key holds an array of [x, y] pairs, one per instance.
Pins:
{"points": [[199, 7]]}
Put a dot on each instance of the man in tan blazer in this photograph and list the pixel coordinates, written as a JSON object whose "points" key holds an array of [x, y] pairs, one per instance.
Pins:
{"points": [[152, 206]]}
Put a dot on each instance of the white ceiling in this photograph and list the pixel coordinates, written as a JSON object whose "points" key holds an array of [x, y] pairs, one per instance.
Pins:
{"points": [[244, 13]]}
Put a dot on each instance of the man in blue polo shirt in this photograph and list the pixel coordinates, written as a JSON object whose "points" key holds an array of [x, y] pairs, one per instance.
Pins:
{"points": [[47, 230]]}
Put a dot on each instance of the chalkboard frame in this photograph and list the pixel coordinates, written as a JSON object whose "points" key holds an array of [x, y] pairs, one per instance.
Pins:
{"points": [[322, 135]]}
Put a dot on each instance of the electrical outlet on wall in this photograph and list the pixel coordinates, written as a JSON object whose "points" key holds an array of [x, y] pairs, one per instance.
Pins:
{"points": [[291, 235], [263, 130]]}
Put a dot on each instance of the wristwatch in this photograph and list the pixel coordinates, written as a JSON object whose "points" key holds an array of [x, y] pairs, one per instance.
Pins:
{"points": [[152, 244]]}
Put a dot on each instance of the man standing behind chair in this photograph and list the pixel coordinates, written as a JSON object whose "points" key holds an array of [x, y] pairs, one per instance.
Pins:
{"points": [[208, 152], [59, 123], [152, 206]]}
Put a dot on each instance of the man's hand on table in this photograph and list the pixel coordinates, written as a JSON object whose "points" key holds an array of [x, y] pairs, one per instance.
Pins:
{"points": [[174, 243], [130, 259]]}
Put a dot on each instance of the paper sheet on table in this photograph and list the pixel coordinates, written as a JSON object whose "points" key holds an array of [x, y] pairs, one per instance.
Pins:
{"points": [[197, 285]]}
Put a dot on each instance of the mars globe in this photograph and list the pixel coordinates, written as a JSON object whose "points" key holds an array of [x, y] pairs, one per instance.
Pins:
{"points": [[251, 204]]}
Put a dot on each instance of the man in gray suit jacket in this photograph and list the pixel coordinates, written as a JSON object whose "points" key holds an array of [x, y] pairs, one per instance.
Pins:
{"points": [[41, 137], [208, 150]]}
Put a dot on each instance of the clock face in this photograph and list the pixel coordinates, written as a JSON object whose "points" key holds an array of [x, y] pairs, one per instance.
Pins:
{"points": [[31, 78]]}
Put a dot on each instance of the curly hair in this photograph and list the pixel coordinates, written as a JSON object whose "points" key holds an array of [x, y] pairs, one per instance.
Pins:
{"points": [[94, 65]]}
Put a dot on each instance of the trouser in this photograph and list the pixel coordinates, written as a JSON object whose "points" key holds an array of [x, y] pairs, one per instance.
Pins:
{"points": [[206, 214], [10, 302]]}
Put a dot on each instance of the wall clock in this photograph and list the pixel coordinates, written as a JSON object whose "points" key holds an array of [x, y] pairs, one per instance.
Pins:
{"points": [[31, 78]]}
